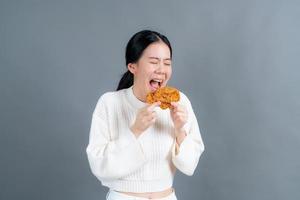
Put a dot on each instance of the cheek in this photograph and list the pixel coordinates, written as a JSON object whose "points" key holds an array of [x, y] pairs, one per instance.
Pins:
{"points": [[169, 73], [145, 71]]}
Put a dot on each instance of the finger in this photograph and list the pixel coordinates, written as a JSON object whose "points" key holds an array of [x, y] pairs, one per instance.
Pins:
{"points": [[153, 114], [181, 109], [152, 106], [172, 112], [180, 116], [181, 112], [152, 121], [176, 119], [174, 106], [150, 116], [176, 110]]}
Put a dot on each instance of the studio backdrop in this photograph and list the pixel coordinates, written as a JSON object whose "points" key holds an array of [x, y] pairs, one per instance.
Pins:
{"points": [[236, 60]]}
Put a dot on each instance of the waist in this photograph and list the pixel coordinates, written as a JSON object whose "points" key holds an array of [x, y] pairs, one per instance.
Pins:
{"points": [[151, 195], [139, 186]]}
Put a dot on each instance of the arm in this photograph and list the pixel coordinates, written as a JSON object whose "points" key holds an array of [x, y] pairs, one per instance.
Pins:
{"points": [[188, 146], [112, 159]]}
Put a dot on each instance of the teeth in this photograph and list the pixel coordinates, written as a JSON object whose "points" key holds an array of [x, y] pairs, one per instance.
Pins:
{"points": [[157, 80]]}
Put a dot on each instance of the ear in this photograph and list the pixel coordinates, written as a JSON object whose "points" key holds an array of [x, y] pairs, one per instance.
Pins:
{"points": [[132, 67]]}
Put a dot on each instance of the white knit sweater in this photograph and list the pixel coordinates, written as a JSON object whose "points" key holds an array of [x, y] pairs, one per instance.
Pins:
{"points": [[145, 164]]}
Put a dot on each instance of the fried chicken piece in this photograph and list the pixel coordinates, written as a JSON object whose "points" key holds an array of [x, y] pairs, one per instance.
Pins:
{"points": [[165, 95]]}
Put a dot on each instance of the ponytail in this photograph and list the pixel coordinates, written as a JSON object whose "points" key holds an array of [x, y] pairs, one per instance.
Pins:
{"points": [[126, 81]]}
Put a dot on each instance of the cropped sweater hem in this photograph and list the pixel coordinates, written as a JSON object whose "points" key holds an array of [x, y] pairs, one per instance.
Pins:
{"points": [[139, 185]]}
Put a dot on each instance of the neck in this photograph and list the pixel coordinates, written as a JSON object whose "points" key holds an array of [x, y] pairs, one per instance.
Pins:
{"points": [[138, 94]]}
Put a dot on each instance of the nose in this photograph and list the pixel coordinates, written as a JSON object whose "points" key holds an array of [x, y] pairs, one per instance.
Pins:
{"points": [[160, 68]]}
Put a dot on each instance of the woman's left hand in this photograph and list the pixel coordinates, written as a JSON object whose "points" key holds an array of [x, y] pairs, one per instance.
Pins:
{"points": [[179, 116]]}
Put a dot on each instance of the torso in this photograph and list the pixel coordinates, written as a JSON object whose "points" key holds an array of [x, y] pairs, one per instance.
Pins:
{"points": [[151, 195]]}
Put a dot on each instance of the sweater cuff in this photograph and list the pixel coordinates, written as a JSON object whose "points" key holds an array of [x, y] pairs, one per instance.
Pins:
{"points": [[184, 160], [183, 148]]}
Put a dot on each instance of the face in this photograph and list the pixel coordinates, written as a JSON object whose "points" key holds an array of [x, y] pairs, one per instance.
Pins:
{"points": [[152, 70]]}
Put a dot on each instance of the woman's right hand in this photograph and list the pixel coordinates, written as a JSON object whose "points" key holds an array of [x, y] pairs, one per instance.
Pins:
{"points": [[145, 117]]}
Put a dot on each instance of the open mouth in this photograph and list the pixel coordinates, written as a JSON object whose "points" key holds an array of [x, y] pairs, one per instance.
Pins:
{"points": [[155, 84]]}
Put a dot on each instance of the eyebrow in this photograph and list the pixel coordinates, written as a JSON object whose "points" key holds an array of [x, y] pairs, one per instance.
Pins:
{"points": [[159, 58]]}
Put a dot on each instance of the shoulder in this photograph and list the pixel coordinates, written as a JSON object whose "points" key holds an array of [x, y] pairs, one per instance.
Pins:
{"points": [[111, 96], [108, 99]]}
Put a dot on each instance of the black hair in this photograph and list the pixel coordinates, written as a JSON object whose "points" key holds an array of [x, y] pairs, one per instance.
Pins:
{"points": [[134, 49]]}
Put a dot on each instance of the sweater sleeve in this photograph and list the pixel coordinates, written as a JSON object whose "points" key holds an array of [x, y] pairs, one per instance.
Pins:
{"points": [[112, 159], [191, 147]]}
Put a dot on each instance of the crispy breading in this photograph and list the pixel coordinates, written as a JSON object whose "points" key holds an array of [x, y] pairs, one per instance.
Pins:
{"points": [[165, 95]]}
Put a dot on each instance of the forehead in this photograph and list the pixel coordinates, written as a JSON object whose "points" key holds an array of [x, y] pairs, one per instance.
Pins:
{"points": [[157, 49]]}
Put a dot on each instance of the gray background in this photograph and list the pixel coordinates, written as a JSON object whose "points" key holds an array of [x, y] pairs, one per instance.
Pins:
{"points": [[237, 61]]}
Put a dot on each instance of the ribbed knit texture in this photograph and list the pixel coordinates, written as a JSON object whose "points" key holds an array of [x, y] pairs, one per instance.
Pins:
{"points": [[147, 164]]}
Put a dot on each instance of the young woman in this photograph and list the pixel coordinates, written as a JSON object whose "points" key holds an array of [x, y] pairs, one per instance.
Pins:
{"points": [[135, 148]]}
